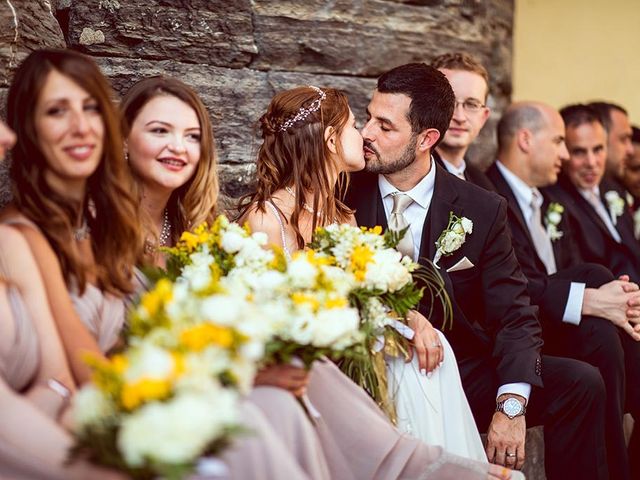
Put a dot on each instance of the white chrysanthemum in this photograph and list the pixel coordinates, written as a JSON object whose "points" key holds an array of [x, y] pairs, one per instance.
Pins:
{"points": [[90, 407], [176, 431]]}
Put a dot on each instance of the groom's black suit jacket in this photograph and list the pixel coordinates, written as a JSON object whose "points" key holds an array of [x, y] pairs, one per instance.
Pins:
{"points": [[550, 293], [592, 236], [493, 322]]}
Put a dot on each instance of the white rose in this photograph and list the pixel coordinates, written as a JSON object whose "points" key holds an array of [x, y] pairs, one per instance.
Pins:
{"points": [[611, 196], [90, 407], [260, 238], [336, 328], [301, 273], [554, 218], [221, 309], [149, 361], [232, 242], [176, 431], [467, 225]]}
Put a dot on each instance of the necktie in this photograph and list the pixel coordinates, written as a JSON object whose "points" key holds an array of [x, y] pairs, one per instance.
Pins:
{"points": [[541, 240], [398, 222], [597, 205]]}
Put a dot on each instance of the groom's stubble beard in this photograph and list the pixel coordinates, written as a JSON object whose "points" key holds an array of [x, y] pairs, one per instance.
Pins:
{"points": [[379, 166]]}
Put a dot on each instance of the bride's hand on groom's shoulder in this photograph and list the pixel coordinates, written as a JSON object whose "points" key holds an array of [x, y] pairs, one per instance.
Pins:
{"points": [[288, 377], [426, 343]]}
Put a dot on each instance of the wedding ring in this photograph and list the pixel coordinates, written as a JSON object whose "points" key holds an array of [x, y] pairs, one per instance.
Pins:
{"points": [[511, 455], [436, 345]]}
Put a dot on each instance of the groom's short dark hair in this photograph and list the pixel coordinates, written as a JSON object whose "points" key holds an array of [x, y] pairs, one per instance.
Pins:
{"points": [[432, 98]]}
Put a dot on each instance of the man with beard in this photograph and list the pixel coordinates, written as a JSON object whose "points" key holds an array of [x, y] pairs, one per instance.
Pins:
{"points": [[495, 333], [580, 303], [470, 82]]}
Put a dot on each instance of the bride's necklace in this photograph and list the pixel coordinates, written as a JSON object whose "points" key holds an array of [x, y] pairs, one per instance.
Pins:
{"points": [[83, 232], [304, 204], [165, 232]]}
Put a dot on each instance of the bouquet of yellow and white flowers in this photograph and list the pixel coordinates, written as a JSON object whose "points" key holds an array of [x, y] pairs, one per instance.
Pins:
{"points": [[154, 411], [383, 287]]}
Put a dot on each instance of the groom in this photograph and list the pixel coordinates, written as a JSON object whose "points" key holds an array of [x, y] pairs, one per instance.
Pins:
{"points": [[495, 333]]}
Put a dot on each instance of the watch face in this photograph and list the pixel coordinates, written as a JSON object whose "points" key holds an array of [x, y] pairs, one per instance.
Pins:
{"points": [[512, 407]]}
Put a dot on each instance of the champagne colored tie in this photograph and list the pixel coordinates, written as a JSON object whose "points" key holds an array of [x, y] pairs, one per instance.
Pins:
{"points": [[398, 222], [597, 205], [541, 240]]}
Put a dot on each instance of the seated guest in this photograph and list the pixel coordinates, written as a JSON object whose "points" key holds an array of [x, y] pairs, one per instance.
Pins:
{"points": [[73, 192], [580, 306], [171, 153], [631, 182], [615, 120], [601, 223], [496, 335], [470, 83], [35, 381]]}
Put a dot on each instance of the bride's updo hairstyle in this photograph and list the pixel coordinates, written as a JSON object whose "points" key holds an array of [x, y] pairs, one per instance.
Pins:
{"points": [[109, 208], [294, 154]]}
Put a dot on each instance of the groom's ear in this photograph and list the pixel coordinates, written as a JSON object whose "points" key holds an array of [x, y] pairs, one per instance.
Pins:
{"points": [[330, 139], [427, 139]]}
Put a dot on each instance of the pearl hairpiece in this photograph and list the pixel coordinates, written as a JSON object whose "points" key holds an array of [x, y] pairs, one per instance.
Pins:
{"points": [[304, 112]]}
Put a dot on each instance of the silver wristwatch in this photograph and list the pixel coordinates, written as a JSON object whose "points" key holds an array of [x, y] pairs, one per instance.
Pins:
{"points": [[511, 407]]}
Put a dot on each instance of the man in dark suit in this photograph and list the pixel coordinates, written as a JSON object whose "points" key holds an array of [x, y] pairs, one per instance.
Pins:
{"points": [[495, 333], [597, 210], [470, 83], [581, 304]]}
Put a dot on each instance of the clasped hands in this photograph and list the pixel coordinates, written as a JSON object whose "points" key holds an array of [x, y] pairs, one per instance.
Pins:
{"points": [[618, 301]]}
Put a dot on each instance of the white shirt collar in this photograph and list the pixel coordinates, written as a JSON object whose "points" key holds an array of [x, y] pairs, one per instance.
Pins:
{"points": [[524, 193], [421, 193], [451, 168], [587, 192]]}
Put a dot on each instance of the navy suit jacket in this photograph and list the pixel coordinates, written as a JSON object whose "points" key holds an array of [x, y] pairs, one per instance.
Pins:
{"points": [[493, 320]]}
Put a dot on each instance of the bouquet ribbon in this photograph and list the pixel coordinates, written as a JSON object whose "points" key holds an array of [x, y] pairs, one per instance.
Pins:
{"points": [[304, 399]]}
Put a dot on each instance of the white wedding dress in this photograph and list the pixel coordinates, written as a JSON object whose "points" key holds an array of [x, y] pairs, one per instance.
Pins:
{"points": [[425, 405], [434, 409]]}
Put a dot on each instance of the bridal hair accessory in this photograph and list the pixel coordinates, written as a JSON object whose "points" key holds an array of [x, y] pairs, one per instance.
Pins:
{"points": [[304, 112]]}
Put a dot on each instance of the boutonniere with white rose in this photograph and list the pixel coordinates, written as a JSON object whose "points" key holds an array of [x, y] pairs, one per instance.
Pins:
{"points": [[636, 224], [452, 237], [615, 203], [552, 219]]}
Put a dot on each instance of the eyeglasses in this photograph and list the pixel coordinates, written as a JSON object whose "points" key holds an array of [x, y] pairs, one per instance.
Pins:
{"points": [[470, 105]]}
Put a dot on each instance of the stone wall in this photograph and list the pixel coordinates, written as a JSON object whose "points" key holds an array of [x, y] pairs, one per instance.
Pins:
{"points": [[238, 53]]}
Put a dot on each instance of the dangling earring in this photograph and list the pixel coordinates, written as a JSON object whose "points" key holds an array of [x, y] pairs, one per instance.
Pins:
{"points": [[126, 156]]}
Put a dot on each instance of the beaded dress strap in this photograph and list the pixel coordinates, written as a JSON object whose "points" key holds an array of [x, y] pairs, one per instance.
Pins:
{"points": [[273, 208]]}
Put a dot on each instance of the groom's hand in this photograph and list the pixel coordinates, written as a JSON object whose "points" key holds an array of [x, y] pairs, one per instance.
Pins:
{"points": [[505, 437]]}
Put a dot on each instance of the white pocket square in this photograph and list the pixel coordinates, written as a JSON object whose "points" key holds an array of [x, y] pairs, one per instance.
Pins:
{"points": [[463, 264]]}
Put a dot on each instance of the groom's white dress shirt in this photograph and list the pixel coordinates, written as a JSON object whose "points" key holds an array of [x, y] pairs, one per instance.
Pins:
{"points": [[416, 214]]}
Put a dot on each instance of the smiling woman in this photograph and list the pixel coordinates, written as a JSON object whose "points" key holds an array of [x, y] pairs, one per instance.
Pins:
{"points": [[171, 153]]}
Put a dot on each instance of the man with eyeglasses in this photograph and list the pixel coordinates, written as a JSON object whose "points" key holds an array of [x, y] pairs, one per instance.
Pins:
{"points": [[470, 83]]}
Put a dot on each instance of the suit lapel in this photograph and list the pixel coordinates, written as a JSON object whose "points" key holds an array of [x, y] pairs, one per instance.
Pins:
{"points": [[504, 189], [442, 203], [585, 206]]}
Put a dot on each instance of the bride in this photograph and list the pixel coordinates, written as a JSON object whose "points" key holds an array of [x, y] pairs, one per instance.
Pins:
{"points": [[310, 142]]}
